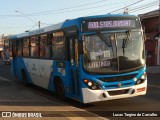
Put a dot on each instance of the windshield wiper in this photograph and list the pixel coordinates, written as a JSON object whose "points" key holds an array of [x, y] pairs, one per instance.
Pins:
{"points": [[125, 40], [108, 42], [105, 40]]}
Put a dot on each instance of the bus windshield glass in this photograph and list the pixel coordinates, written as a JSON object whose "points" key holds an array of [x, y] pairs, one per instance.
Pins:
{"points": [[113, 52]]}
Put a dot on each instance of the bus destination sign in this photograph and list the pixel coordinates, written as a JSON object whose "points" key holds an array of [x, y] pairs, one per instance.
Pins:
{"points": [[107, 24]]}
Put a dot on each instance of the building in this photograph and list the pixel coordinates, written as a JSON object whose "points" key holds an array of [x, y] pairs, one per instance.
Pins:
{"points": [[1, 47], [4, 47], [151, 25]]}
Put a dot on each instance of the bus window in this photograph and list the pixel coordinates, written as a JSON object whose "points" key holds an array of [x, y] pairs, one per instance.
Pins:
{"points": [[34, 46], [71, 52], [26, 47], [44, 46], [76, 51], [19, 48], [58, 45]]}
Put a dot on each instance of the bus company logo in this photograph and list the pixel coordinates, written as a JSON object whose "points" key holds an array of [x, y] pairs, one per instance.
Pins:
{"points": [[119, 85]]}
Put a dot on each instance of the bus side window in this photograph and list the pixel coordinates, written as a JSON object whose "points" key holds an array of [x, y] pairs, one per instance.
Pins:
{"points": [[73, 43], [44, 46], [14, 49], [71, 52], [76, 51], [34, 46], [58, 46], [25, 47], [19, 47]]}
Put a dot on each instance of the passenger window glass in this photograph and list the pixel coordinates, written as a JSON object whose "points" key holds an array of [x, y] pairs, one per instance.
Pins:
{"points": [[58, 45], [44, 46], [26, 47], [19, 47], [76, 51], [34, 46]]}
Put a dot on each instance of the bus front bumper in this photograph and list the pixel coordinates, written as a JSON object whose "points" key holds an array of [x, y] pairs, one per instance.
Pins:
{"points": [[111, 94]]}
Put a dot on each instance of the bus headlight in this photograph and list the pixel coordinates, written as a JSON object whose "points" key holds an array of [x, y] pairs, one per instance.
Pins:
{"points": [[91, 85], [142, 79]]}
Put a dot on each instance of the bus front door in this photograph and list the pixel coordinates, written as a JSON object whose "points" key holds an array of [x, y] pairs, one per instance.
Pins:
{"points": [[74, 61]]}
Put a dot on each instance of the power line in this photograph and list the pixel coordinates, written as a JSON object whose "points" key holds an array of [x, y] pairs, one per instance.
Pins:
{"points": [[54, 11], [32, 27], [82, 5], [29, 19], [148, 5], [114, 4], [141, 7], [60, 10], [46, 24], [73, 10], [132, 10], [140, 10], [25, 16], [9, 27], [126, 6]]}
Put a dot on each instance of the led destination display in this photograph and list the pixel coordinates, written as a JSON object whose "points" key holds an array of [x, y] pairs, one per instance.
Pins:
{"points": [[108, 24]]}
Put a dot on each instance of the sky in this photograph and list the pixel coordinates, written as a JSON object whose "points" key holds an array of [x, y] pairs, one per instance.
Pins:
{"points": [[18, 16]]}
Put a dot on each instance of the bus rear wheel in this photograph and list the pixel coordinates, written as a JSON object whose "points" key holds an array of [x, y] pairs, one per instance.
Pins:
{"points": [[60, 89]]}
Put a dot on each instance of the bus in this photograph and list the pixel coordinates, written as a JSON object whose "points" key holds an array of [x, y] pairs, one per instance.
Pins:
{"points": [[89, 59]]}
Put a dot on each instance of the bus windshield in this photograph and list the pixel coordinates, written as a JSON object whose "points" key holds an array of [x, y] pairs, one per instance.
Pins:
{"points": [[113, 52]]}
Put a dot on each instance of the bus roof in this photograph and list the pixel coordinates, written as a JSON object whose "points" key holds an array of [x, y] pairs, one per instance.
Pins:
{"points": [[13, 37], [67, 23]]}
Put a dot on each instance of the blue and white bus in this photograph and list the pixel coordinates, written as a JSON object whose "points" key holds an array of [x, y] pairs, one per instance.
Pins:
{"points": [[89, 59]]}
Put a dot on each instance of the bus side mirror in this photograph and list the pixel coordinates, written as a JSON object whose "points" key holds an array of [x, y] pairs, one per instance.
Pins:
{"points": [[80, 47]]}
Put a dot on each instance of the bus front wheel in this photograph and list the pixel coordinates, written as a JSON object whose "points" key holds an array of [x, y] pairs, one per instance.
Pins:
{"points": [[60, 89]]}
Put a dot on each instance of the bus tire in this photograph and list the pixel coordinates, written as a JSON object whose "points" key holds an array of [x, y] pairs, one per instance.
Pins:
{"points": [[24, 78], [59, 89]]}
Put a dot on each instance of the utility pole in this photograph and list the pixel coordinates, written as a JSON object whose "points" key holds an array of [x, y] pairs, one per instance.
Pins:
{"points": [[39, 24]]}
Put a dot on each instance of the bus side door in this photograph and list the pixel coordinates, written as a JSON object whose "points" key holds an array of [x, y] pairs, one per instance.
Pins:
{"points": [[74, 63]]}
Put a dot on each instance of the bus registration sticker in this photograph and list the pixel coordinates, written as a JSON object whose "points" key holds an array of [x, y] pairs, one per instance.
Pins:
{"points": [[107, 54], [93, 55]]}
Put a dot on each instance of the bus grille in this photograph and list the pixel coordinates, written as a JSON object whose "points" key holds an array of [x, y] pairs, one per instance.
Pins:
{"points": [[118, 78], [118, 92]]}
